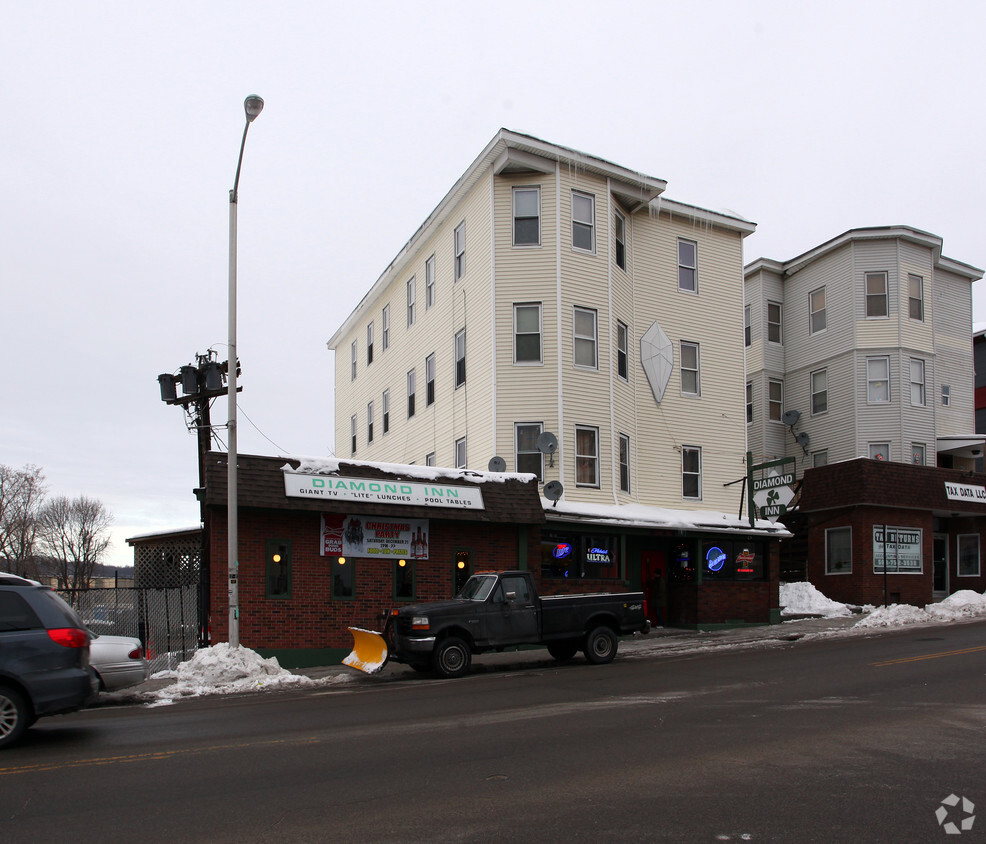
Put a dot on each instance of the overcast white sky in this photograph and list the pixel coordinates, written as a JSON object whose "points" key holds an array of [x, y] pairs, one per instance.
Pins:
{"points": [[122, 121]]}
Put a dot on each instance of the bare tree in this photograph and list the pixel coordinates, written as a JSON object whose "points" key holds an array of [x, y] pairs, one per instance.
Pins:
{"points": [[75, 534], [22, 493]]}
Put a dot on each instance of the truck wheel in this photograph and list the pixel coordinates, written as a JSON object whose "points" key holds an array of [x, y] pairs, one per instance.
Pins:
{"points": [[563, 651], [15, 715], [600, 645], [451, 657]]}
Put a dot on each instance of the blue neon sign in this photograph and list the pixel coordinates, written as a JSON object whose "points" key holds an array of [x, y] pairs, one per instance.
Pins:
{"points": [[715, 558]]}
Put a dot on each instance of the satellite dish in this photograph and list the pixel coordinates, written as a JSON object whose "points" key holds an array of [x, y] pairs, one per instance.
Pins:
{"points": [[547, 443], [497, 464], [803, 439], [791, 417], [553, 491]]}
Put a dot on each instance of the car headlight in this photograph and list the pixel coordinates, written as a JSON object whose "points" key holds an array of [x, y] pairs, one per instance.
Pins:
{"points": [[419, 622]]}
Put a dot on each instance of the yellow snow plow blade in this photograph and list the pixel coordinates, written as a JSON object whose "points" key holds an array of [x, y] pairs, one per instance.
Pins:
{"points": [[369, 651]]}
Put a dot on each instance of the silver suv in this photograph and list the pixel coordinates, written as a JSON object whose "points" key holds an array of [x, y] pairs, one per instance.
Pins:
{"points": [[44, 657]]}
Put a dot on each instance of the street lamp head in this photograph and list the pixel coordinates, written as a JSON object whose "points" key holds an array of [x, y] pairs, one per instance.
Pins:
{"points": [[253, 105]]}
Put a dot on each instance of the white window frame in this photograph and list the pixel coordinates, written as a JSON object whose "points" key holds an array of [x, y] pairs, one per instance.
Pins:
{"points": [[525, 456], [516, 217], [831, 567], [369, 343], [819, 391], [748, 325], [411, 297], [918, 454], [430, 458], [369, 422], [946, 395], [583, 341], [581, 225], [459, 250], [430, 380], [587, 459], [624, 459], [875, 379], [619, 239], [690, 370], [877, 299], [385, 328], [775, 402], [749, 402], [385, 410], [460, 357], [518, 333], [352, 362], [917, 371], [460, 453], [687, 267], [915, 302], [429, 282], [353, 422], [880, 451], [820, 458], [817, 317], [686, 472], [412, 388], [775, 326], [622, 351], [969, 537]]}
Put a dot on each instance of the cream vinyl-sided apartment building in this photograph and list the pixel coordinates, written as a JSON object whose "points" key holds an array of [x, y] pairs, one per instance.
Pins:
{"points": [[519, 308]]}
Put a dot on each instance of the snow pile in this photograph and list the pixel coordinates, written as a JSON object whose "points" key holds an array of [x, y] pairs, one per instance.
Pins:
{"points": [[960, 605], [805, 599]]}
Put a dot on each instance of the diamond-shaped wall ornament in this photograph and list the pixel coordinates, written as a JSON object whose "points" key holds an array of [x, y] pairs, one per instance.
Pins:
{"points": [[657, 358]]}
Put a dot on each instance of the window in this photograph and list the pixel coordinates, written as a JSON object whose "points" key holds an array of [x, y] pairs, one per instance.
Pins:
{"points": [[527, 333], [585, 338], [385, 320], [917, 382], [774, 323], [816, 310], [527, 216], [410, 393], [622, 368], [688, 265], [820, 458], [430, 459], [278, 569], [576, 556], [968, 565], [369, 344], [583, 221], [691, 385], [352, 362], [917, 454], [879, 451], [915, 297], [459, 241], [624, 463], [386, 411], [430, 380], [429, 282], [460, 453], [343, 578], [403, 580], [410, 302], [838, 550], [878, 380], [729, 560], [876, 294], [527, 457], [946, 395], [369, 422], [819, 391], [352, 433], [586, 456], [775, 400], [691, 472], [748, 325], [620, 240], [749, 402], [460, 358]]}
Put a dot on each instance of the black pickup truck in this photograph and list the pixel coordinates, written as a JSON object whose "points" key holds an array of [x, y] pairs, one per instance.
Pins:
{"points": [[497, 610]]}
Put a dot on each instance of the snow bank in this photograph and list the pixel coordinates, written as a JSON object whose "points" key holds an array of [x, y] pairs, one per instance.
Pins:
{"points": [[960, 605], [805, 599]]}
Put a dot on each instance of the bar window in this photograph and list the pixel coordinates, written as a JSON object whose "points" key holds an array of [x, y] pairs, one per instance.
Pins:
{"points": [[343, 578], [278, 573], [403, 580]]}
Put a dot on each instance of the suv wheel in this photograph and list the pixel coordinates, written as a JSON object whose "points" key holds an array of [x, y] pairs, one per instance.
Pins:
{"points": [[15, 715]]}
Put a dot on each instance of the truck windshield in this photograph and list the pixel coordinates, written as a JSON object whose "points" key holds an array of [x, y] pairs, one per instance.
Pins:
{"points": [[478, 587]]}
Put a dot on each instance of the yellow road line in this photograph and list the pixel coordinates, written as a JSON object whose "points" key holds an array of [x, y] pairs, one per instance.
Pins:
{"points": [[928, 656]]}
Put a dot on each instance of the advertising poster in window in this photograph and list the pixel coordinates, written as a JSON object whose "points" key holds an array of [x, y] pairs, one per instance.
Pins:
{"points": [[370, 536], [902, 549]]}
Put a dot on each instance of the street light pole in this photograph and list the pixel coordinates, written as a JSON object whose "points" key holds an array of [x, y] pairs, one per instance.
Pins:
{"points": [[252, 105]]}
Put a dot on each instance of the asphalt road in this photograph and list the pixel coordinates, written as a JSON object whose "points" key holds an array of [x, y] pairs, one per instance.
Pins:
{"points": [[856, 739]]}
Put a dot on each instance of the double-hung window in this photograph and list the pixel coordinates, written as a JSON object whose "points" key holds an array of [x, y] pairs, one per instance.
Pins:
{"points": [[527, 333], [369, 422], [527, 457], [527, 216], [915, 297], [819, 391], [879, 451], [946, 395], [691, 384], [385, 321], [585, 338], [430, 380], [838, 550], [917, 383], [369, 343], [622, 350], [775, 400], [917, 454], [386, 411], [774, 333], [876, 294], [816, 310], [688, 265], [586, 456], [429, 282], [624, 463], [460, 453], [748, 325], [352, 433], [749, 402], [620, 240], [410, 302], [460, 358], [352, 362], [410, 393], [430, 459], [459, 246], [878, 380], [691, 471], [583, 221]]}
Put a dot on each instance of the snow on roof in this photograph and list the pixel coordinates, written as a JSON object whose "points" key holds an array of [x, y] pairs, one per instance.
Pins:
{"points": [[330, 466]]}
